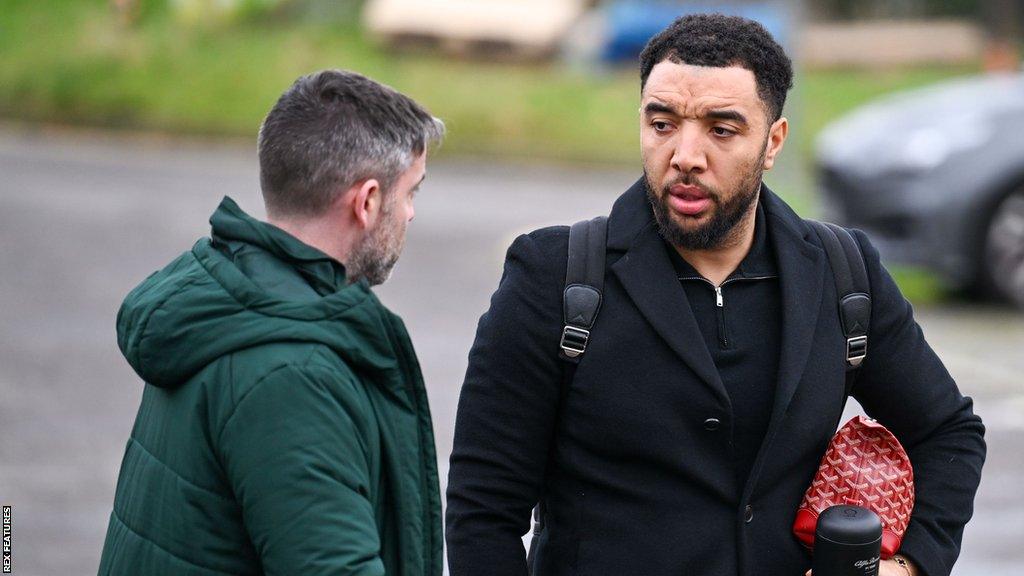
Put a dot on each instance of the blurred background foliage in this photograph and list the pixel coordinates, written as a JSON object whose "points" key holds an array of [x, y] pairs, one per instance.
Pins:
{"points": [[214, 67]]}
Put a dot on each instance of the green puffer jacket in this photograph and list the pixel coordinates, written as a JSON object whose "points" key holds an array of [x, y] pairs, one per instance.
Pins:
{"points": [[284, 427]]}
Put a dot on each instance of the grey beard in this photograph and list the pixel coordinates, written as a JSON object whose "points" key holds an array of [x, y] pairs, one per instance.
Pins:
{"points": [[373, 260], [365, 265]]}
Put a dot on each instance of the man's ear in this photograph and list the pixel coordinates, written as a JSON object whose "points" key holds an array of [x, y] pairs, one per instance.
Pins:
{"points": [[366, 203], [776, 138]]}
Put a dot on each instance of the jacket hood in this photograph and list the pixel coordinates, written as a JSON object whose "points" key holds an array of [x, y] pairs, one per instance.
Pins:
{"points": [[203, 305]]}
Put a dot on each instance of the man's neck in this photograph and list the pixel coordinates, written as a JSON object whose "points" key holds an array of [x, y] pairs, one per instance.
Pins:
{"points": [[717, 264], [316, 233]]}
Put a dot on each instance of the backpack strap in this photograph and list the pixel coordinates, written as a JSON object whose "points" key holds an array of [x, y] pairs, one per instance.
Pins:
{"points": [[584, 282], [581, 301], [851, 278]]}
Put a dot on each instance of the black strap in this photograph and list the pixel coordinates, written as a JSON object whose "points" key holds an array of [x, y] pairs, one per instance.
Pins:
{"points": [[581, 301], [854, 290], [584, 282]]}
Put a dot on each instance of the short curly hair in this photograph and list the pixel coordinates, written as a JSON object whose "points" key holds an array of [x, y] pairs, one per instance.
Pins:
{"points": [[720, 40]]}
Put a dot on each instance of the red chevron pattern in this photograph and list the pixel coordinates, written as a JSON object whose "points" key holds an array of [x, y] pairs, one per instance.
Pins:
{"points": [[864, 466]]}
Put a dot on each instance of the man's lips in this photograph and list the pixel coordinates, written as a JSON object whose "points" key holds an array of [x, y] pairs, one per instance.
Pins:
{"points": [[688, 200]]}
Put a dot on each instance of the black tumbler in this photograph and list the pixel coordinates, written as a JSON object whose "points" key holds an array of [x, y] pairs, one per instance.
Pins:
{"points": [[847, 542]]}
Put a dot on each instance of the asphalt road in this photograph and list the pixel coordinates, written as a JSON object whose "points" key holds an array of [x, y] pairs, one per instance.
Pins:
{"points": [[85, 217]]}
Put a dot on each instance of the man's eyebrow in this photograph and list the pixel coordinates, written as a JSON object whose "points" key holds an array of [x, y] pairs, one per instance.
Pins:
{"points": [[727, 115], [655, 107], [660, 107]]}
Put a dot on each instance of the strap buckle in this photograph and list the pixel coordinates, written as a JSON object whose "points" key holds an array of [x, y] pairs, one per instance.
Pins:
{"points": [[856, 350], [574, 341]]}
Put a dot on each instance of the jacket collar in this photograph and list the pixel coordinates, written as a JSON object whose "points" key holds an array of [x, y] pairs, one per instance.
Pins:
{"points": [[232, 227], [646, 272]]}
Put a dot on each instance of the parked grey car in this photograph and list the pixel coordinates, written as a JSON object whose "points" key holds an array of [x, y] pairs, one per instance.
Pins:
{"points": [[935, 176]]}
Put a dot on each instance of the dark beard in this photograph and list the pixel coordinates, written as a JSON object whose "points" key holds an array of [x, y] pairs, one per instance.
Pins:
{"points": [[727, 214]]}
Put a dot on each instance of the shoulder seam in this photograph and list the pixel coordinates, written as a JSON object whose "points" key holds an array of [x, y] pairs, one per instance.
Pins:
{"points": [[294, 365]]}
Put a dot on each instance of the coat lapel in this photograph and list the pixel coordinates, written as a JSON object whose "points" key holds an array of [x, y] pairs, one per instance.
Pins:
{"points": [[646, 272], [650, 280], [801, 277], [802, 273]]}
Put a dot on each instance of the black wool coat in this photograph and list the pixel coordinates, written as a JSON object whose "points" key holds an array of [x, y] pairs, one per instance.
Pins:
{"points": [[634, 481]]}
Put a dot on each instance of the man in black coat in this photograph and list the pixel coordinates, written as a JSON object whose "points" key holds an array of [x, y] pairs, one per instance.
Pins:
{"points": [[714, 377]]}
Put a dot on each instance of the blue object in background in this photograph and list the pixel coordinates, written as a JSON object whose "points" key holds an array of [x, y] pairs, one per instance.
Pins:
{"points": [[630, 23]]}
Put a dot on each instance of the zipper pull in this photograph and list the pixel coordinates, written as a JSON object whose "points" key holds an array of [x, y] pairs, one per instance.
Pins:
{"points": [[719, 301]]}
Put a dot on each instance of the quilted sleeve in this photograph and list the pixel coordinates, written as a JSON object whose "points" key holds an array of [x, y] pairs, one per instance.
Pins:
{"points": [[296, 461]]}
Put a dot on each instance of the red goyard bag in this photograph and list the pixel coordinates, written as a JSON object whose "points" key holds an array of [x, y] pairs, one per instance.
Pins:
{"points": [[864, 466]]}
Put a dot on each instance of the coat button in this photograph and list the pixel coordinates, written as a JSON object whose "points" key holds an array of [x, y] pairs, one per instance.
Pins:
{"points": [[711, 424], [748, 513]]}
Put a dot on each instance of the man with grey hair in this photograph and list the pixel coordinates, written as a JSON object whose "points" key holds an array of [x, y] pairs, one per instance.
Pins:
{"points": [[284, 426]]}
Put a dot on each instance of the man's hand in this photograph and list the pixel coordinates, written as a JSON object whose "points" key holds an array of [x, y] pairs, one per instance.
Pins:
{"points": [[893, 568]]}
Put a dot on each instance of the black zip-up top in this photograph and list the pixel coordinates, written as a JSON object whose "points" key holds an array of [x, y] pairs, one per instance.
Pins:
{"points": [[740, 322]]}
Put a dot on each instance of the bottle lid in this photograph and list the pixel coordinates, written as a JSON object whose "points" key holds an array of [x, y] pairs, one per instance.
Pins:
{"points": [[845, 524]]}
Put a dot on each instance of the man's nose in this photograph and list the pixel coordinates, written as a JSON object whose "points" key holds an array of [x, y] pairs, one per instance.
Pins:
{"points": [[690, 152]]}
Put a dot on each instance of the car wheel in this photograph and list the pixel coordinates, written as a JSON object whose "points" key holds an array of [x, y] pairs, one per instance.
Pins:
{"points": [[1004, 248]]}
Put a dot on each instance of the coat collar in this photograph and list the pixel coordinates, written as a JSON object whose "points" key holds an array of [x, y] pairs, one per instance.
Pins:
{"points": [[646, 272], [231, 226], [650, 280]]}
